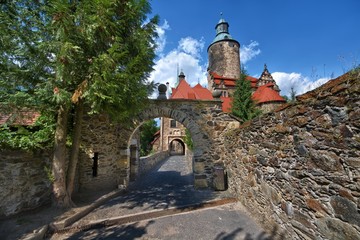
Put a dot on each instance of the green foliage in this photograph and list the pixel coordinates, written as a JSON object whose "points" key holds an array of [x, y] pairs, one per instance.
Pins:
{"points": [[38, 136], [56, 52], [243, 106], [49, 174], [147, 131], [188, 140]]}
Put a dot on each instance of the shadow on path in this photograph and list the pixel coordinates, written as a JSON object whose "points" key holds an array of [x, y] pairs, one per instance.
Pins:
{"points": [[169, 185]]}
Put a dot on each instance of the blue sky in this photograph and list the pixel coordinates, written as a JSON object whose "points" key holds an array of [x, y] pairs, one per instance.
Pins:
{"points": [[303, 42]]}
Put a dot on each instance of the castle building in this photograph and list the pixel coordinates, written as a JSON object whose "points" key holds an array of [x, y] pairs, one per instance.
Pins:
{"points": [[171, 135], [223, 72]]}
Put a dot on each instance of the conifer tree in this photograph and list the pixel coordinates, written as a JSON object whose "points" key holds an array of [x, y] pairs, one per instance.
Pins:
{"points": [[59, 57], [243, 105]]}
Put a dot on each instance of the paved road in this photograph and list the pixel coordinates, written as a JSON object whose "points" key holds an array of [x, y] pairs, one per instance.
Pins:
{"points": [[170, 185]]}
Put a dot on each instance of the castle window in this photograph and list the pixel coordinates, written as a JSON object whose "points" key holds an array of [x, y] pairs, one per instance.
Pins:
{"points": [[173, 123]]}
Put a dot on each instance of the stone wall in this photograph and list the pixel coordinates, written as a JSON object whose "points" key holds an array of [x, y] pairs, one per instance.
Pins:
{"points": [[100, 137], [24, 183], [299, 168], [149, 162]]}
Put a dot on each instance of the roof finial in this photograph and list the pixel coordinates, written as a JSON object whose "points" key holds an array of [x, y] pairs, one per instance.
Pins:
{"points": [[221, 13], [265, 67]]}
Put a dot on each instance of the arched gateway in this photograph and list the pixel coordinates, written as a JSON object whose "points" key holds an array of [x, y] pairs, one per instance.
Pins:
{"points": [[112, 144]]}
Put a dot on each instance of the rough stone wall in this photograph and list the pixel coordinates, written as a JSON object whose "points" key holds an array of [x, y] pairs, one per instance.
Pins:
{"points": [[24, 184], [149, 162], [299, 168], [270, 106], [100, 136]]}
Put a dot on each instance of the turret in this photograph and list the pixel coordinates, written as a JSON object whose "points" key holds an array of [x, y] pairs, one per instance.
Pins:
{"points": [[224, 53]]}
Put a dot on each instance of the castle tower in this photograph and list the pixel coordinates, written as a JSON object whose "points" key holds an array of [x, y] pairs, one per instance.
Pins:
{"points": [[223, 54]]}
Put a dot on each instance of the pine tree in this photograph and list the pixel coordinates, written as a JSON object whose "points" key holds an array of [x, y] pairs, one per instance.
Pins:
{"points": [[243, 106], [62, 55]]}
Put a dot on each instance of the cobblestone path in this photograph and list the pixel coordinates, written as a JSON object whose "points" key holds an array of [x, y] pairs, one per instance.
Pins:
{"points": [[168, 185]]}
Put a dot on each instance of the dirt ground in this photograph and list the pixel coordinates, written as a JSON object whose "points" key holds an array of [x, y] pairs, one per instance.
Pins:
{"points": [[19, 226]]}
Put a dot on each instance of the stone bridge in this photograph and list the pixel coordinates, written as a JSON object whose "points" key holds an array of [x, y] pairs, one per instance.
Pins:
{"points": [[110, 145]]}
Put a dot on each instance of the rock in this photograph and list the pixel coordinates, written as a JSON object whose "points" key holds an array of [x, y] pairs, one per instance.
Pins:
{"points": [[325, 160], [335, 229], [315, 205], [346, 194], [302, 150], [345, 210], [337, 114], [324, 121], [287, 207]]}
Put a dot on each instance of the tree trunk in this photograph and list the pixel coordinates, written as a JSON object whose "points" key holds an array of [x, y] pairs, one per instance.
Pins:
{"points": [[61, 197], [79, 110]]}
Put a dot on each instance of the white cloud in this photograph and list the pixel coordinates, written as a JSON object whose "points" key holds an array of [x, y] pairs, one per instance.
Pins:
{"points": [[300, 83], [191, 46], [248, 52], [161, 40], [186, 58]]}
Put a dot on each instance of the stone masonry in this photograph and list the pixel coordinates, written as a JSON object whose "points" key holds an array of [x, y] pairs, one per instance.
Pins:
{"points": [[206, 123], [24, 180], [204, 119], [299, 168]]}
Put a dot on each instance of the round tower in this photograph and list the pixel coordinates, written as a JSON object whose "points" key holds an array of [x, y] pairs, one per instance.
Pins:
{"points": [[224, 53]]}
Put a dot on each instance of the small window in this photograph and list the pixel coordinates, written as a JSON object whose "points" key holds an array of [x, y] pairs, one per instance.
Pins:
{"points": [[173, 123], [95, 164]]}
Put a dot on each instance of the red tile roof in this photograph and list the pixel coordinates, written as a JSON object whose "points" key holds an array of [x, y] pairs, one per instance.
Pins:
{"points": [[24, 118], [262, 94], [266, 94], [202, 93], [185, 91], [181, 91], [230, 82]]}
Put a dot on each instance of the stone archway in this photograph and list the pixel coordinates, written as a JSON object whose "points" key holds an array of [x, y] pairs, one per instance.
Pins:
{"points": [[206, 123], [177, 147], [204, 120]]}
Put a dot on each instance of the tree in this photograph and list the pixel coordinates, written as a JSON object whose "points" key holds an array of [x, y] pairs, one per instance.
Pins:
{"points": [[75, 55], [147, 131], [292, 94], [243, 106]]}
